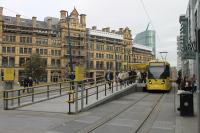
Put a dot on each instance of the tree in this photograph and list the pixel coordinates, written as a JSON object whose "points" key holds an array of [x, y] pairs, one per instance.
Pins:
{"points": [[35, 67]]}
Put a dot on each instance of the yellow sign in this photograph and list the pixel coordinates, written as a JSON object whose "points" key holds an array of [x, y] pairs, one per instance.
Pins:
{"points": [[156, 64], [9, 74], [124, 63], [138, 65], [79, 73]]}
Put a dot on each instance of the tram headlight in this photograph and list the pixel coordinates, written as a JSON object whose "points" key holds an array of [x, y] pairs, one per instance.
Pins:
{"points": [[150, 82], [163, 82]]}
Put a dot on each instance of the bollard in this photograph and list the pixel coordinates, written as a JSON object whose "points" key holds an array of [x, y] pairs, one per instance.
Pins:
{"points": [[47, 91], [105, 89], [76, 98], [5, 95], [97, 93], [60, 89], [82, 97], [86, 96], [18, 97], [33, 92], [112, 86]]}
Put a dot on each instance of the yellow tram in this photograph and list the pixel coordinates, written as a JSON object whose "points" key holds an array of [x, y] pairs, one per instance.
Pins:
{"points": [[158, 75]]}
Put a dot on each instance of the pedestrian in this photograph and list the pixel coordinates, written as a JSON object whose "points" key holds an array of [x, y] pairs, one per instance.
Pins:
{"points": [[25, 84], [138, 76], [109, 78], [193, 83], [178, 81], [186, 84], [30, 84], [143, 77], [119, 77]]}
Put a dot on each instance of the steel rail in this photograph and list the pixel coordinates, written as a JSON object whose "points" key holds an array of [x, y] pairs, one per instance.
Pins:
{"points": [[108, 118]]}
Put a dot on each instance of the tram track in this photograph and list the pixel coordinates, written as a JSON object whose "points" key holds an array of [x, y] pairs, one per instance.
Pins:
{"points": [[93, 127], [151, 116]]}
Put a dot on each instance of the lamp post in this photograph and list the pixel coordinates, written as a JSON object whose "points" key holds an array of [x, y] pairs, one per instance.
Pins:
{"points": [[69, 42], [115, 60]]}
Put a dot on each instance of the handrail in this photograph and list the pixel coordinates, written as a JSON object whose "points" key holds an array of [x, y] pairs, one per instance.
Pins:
{"points": [[46, 90]]}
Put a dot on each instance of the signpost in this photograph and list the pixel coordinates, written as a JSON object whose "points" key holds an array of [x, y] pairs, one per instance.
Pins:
{"points": [[9, 74], [9, 78], [79, 73]]}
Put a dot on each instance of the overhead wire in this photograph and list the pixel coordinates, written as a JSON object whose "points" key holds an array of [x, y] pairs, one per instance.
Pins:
{"points": [[10, 10], [146, 12]]}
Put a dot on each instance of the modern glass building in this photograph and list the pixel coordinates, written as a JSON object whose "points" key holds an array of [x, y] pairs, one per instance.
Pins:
{"points": [[147, 38]]}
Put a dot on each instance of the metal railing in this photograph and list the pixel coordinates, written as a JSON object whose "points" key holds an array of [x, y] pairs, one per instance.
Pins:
{"points": [[20, 97], [75, 90], [88, 89]]}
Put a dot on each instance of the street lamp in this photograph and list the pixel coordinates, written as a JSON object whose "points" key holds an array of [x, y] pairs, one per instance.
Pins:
{"points": [[69, 42], [115, 60]]}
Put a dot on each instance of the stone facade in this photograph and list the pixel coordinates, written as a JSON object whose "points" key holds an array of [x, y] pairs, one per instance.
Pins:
{"points": [[21, 37], [97, 50]]}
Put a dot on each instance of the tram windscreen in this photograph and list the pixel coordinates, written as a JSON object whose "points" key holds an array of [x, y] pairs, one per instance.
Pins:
{"points": [[155, 72], [158, 72]]}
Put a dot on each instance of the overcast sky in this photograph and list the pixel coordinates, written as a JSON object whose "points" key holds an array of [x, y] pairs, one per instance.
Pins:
{"points": [[113, 13]]}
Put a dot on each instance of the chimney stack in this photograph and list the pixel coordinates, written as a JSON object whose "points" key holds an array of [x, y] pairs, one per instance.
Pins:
{"points": [[94, 28], [104, 29], [83, 19], [108, 29], [113, 31], [34, 21], [49, 21], [63, 14], [18, 19], [1, 13]]}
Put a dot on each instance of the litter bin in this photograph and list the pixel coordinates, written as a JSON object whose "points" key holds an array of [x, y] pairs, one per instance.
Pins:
{"points": [[186, 104]]}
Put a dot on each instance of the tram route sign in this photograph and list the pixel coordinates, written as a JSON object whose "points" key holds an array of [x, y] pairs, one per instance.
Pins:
{"points": [[79, 73], [9, 74]]}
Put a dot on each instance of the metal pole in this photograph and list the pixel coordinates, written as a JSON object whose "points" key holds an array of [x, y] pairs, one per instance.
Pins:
{"points": [[198, 77], [115, 62], [82, 96], [69, 42], [198, 98], [76, 98]]}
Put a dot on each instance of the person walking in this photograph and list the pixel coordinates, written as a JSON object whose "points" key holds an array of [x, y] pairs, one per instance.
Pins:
{"points": [[178, 81], [30, 84], [25, 84], [193, 83], [109, 78]]}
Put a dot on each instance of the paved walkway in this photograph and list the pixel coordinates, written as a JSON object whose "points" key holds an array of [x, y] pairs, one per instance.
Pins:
{"points": [[60, 105], [167, 120]]}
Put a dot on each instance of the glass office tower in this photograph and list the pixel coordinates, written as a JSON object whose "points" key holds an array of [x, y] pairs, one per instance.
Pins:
{"points": [[147, 38]]}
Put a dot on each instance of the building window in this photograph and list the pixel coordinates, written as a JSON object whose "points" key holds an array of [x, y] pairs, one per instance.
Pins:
{"points": [[45, 51], [8, 61], [56, 42], [56, 52], [42, 51], [42, 41], [4, 49], [9, 38], [8, 49], [44, 60], [25, 50], [22, 61], [25, 40], [55, 62]]}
